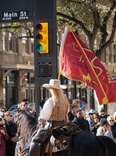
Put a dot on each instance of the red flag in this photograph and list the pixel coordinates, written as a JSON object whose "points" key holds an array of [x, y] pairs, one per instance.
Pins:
{"points": [[79, 63], [112, 92]]}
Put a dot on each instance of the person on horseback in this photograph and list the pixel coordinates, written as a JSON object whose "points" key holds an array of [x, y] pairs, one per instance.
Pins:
{"points": [[54, 112], [56, 107]]}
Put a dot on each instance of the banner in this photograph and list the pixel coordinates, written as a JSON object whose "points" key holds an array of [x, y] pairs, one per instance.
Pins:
{"points": [[77, 62]]}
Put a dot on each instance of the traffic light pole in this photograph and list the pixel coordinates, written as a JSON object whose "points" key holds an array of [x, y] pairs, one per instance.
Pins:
{"points": [[45, 55]]}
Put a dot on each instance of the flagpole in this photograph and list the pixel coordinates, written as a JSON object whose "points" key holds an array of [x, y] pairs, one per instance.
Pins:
{"points": [[90, 65], [59, 73], [61, 50]]}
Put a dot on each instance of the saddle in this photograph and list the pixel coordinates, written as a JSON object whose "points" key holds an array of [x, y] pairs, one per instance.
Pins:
{"points": [[52, 139]]}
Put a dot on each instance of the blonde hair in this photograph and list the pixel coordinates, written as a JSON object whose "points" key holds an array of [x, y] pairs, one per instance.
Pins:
{"points": [[56, 107], [58, 95]]}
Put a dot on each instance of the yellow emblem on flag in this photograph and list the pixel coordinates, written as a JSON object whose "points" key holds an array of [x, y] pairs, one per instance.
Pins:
{"points": [[87, 77]]}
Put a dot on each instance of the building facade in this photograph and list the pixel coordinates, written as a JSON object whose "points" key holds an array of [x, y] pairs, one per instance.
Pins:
{"points": [[16, 66]]}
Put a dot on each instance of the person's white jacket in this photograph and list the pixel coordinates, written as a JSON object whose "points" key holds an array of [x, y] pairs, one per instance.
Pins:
{"points": [[46, 112], [102, 132]]}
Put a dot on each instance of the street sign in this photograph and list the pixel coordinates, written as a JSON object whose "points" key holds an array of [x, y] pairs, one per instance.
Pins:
{"points": [[15, 10], [15, 15]]}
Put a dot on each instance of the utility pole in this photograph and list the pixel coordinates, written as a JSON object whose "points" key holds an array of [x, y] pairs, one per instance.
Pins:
{"points": [[45, 44]]}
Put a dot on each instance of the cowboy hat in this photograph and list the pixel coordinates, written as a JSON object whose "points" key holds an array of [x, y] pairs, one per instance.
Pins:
{"points": [[54, 84]]}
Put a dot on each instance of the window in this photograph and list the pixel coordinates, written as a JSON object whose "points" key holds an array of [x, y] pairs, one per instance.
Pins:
{"points": [[13, 44], [10, 42], [114, 47], [114, 58]]}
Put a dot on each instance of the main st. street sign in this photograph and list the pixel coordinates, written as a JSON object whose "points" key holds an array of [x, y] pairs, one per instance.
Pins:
{"points": [[16, 10], [14, 15]]}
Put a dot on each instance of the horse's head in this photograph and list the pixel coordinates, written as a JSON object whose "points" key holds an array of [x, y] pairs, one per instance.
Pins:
{"points": [[67, 130], [26, 125]]}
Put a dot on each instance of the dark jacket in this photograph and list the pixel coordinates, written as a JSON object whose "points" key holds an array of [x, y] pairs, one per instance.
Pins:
{"points": [[70, 116], [11, 129], [113, 128], [82, 123], [3, 138]]}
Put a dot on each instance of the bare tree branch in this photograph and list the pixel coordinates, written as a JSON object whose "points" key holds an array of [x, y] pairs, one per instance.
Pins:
{"points": [[96, 18], [96, 15], [110, 40], [73, 19], [103, 27]]}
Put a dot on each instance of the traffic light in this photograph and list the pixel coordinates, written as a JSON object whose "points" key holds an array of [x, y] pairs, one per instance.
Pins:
{"points": [[41, 38]]}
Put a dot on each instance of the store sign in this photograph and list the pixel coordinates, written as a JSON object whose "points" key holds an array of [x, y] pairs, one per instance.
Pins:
{"points": [[15, 15]]}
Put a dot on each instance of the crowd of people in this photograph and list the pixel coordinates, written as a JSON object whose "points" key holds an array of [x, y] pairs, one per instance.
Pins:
{"points": [[8, 137], [9, 134], [98, 123]]}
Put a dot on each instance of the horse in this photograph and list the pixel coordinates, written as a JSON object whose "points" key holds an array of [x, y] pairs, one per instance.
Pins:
{"points": [[80, 143], [27, 124]]}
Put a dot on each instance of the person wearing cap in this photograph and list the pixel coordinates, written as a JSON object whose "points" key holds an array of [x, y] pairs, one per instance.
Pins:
{"points": [[91, 119], [56, 107], [104, 129], [54, 113]]}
